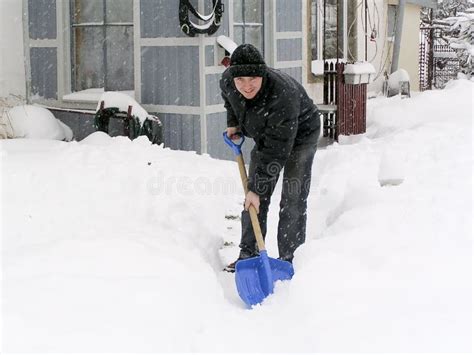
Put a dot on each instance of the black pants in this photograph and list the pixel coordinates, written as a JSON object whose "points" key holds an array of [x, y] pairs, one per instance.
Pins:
{"points": [[295, 190]]}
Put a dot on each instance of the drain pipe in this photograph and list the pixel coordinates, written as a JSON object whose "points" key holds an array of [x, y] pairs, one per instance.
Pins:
{"points": [[398, 35]]}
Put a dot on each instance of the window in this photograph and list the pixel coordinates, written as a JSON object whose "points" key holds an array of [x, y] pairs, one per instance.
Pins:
{"points": [[314, 30], [333, 27], [392, 20], [333, 40], [248, 22], [102, 44]]}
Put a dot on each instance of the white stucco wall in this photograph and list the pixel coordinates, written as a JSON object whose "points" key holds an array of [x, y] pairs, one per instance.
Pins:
{"points": [[380, 52], [12, 67]]}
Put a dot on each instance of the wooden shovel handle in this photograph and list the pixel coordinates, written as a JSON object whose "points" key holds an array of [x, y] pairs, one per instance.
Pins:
{"points": [[253, 212]]}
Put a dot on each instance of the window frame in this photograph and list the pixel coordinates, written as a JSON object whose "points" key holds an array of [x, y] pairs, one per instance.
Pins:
{"points": [[343, 28], [245, 24], [103, 25]]}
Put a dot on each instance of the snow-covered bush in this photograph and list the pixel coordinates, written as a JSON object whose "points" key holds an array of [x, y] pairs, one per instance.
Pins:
{"points": [[460, 36], [456, 19]]}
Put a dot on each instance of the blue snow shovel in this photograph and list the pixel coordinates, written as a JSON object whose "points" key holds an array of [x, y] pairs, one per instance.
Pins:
{"points": [[255, 276]]}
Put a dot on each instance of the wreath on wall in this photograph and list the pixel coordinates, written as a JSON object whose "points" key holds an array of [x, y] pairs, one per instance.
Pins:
{"points": [[211, 22]]}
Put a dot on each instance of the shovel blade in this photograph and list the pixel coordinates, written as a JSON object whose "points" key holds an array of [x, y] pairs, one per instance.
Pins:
{"points": [[255, 277]]}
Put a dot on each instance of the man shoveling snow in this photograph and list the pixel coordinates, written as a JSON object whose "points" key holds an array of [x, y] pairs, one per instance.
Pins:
{"points": [[274, 109]]}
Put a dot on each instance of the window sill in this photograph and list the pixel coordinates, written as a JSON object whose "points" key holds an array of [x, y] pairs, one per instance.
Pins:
{"points": [[90, 95]]}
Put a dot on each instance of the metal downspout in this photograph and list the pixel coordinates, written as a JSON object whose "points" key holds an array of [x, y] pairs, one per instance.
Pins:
{"points": [[398, 35]]}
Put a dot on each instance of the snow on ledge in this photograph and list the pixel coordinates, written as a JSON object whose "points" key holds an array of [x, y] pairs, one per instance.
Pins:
{"points": [[359, 68], [122, 102], [226, 43], [91, 95], [317, 67]]}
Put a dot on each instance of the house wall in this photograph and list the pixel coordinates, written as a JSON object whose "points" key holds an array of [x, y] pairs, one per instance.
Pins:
{"points": [[355, 39], [12, 68], [409, 48], [176, 76], [380, 51]]}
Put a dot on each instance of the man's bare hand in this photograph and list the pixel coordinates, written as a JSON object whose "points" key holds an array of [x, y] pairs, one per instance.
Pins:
{"points": [[231, 131], [252, 199]]}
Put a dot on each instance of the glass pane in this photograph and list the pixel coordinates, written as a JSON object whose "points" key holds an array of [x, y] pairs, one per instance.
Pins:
{"points": [[314, 30], [342, 30], [334, 19], [253, 11], [119, 10], [87, 11], [253, 35], [88, 58], [119, 58], [238, 34], [238, 11], [331, 14], [330, 30]]}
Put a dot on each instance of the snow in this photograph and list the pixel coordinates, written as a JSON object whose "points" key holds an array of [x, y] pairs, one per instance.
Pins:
{"points": [[359, 68], [91, 95], [112, 245], [394, 80], [34, 122], [228, 44], [444, 55], [317, 67], [122, 102]]}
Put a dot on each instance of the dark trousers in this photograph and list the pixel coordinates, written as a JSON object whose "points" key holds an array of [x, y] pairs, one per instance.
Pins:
{"points": [[295, 190]]}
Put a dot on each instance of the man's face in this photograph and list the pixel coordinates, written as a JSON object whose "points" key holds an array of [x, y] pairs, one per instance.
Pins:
{"points": [[248, 86]]}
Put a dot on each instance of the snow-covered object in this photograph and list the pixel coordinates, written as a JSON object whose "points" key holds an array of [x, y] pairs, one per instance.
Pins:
{"points": [[359, 73], [29, 121], [398, 82], [68, 134], [456, 18], [122, 102], [392, 167], [359, 68], [398, 77], [317, 67], [226, 43]]}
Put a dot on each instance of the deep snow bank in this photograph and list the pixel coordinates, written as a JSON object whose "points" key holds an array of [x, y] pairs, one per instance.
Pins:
{"points": [[112, 245]]}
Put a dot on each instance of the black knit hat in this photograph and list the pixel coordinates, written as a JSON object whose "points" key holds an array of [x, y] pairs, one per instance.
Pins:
{"points": [[247, 61]]}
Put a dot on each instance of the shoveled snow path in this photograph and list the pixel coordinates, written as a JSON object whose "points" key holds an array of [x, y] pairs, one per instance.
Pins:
{"points": [[117, 246]]}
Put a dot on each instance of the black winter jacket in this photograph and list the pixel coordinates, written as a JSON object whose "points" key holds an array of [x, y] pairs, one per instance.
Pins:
{"points": [[279, 118]]}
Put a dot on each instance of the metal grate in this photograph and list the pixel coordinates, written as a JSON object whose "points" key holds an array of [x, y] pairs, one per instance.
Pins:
{"points": [[426, 59], [438, 61]]}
